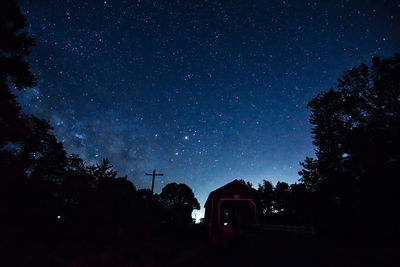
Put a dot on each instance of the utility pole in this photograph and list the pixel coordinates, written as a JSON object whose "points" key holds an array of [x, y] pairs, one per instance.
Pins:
{"points": [[154, 176]]}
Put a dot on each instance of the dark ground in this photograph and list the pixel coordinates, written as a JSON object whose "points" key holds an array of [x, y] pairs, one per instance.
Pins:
{"points": [[193, 248]]}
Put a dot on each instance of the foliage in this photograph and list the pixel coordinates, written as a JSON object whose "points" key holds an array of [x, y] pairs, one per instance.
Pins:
{"points": [[356, 133], [285, 204], [180, 202], [179, 194], [266, 191], [31, 159], [248, 183]]}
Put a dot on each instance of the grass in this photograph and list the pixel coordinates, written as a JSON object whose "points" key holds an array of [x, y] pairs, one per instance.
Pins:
{"points": [[193, 248]]}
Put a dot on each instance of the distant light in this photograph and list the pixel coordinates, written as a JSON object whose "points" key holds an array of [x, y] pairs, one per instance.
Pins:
{"points": [[156, 135], [186, 137], [58, 217]]}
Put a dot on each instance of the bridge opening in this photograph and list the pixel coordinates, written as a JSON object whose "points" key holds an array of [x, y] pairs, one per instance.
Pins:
{"points": [[238, 213]]}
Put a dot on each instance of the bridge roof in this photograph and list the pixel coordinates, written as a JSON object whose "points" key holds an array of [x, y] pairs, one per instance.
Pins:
{"points": [[231, 188]]}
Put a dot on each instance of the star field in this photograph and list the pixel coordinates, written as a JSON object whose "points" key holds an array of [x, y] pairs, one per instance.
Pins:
{"points": [[203, 91]]}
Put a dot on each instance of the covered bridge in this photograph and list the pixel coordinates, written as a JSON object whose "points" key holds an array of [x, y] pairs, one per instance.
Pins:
{"points": [[232, 209]]}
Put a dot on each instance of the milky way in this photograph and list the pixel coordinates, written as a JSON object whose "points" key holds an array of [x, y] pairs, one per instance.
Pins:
{"points": [[203, 91]]}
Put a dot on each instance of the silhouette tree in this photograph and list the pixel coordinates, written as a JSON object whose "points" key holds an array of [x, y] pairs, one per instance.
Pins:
{"points": [[281, 195], [78, 190], [102, 171], [31, 159], [298, 205], [14, 70], [356, 129], [116, 202], [180, 202], [266, 191], [14, 73], [245, 183], [174, 193], [104, 199], [309, 174]]}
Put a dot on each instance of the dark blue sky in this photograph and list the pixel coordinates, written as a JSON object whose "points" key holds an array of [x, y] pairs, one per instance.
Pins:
{"points": [[203, 91]]}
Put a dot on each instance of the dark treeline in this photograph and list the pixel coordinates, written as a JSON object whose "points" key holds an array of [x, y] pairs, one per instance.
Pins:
{"points": [[352, 187], [285, 204], [45, 191]]}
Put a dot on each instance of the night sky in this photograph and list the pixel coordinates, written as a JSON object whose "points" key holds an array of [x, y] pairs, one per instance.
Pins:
{"points": [[202, 91]]}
